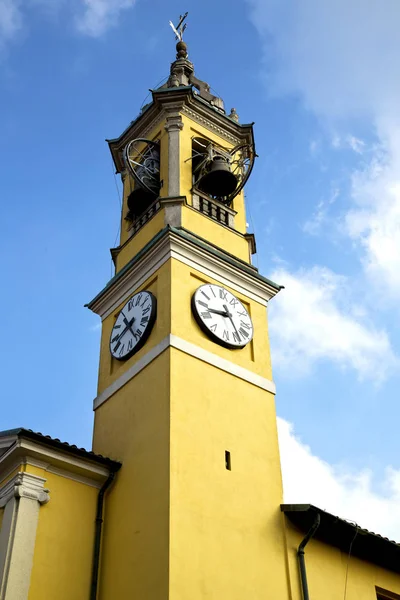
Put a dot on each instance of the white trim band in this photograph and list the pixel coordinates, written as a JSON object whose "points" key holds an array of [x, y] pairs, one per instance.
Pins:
{"points": [[174, 341]]}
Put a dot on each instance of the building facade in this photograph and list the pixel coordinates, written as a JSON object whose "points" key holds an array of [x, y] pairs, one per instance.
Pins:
{"points": [[188, 502]]}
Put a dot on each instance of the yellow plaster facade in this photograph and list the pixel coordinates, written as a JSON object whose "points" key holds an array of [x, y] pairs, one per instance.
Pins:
{"points": [[327, 567], [64, 540]]}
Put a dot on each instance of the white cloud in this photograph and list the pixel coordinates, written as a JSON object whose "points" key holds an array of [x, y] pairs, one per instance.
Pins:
{"points": [[91, 17], [100, 15], [313, 320], [342, 61], [374, 220], [320, 216], [350, 495], [355, 144], [10, 19]]}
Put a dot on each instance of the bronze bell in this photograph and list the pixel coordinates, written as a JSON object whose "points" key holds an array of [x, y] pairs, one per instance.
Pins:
{"points": [[219, 181], [139, 201]]}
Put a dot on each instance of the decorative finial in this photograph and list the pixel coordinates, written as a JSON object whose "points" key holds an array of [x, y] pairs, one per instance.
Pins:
{"points": [[233, 115], [181, 47]]}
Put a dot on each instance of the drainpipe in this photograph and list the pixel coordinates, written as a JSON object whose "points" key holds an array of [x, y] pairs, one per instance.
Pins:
{"points": [[301, 555], [97, 535]]}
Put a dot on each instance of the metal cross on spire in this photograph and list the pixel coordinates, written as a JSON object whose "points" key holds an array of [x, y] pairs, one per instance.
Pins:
{"points": [[180, 28]]}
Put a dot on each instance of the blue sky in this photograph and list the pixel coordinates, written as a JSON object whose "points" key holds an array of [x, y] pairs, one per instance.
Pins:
{"points": [[320, 79]]}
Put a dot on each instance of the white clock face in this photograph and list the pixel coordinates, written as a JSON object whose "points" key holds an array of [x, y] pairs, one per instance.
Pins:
{"points": [[133, 325], [222, 316]]}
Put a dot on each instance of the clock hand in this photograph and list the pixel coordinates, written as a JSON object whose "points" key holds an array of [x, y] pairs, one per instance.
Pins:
{"points": [[128, 327], [128, 324], [219, 312], [231, 320]]}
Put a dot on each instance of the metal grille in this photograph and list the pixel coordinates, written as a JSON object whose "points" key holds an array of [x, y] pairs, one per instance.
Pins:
{"points": [[144, 217]]}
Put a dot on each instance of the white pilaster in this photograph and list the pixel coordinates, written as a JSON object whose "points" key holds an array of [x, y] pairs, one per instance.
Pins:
{"points": [[21, 498]]}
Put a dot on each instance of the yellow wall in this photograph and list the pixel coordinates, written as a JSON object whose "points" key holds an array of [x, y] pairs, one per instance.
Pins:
{"points": [[226, 536], [170, 426], [110, 368], [255, 356], [223, 237], [64, 541], [133, 426], [135, 243], [326, 571]]}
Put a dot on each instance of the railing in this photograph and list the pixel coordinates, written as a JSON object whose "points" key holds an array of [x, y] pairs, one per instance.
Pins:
{"points": [[144, 217], [214, 209]]}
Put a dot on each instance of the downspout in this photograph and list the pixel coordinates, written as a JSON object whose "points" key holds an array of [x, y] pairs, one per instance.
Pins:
{"points": [[97, 535], [301, 555]]}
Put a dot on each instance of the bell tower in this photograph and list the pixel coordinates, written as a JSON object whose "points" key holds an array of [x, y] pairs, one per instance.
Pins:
{"points": [[185, 393]]}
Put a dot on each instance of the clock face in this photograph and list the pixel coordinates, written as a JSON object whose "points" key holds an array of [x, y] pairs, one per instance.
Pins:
{"points": [[133, 325], [222, 316]]}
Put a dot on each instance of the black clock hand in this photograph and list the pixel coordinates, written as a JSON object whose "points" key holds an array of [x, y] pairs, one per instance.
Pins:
{"points": [[218, 312], [231, 320], [128, 324], [127, 328]]}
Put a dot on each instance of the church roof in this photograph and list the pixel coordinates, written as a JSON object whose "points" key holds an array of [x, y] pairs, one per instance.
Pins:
{"points": [[21, 432], [345, 535]]}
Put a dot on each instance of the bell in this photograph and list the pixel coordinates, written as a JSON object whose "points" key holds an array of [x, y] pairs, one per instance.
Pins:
{"points": [[139, 201], [219, 181]]}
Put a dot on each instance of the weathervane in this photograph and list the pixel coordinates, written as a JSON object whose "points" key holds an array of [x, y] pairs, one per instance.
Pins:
{"points": [[180, 28]]}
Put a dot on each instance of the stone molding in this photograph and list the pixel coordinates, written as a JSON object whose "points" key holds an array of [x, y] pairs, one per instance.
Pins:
{"points": [[21, 498], [172, 245], [201, 119], [25, 485], [174, 123], [179, 100], [173, 341]]}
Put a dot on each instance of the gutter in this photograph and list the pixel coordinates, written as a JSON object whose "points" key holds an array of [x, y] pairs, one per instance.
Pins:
{"points": [[97, 535], [301, 556]]}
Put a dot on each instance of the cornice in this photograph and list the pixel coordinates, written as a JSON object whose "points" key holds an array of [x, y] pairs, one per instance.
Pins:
{"points": [[174, 243], [27, 452], [169, 102]]}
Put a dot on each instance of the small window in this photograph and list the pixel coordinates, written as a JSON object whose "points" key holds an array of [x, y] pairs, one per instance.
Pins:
{"points": [[227, 460]]}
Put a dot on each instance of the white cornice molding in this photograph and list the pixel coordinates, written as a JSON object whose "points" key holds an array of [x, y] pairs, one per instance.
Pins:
{"points": [[28, 452], [212, 125], [24, 485], [172, 245], [174, 341]]}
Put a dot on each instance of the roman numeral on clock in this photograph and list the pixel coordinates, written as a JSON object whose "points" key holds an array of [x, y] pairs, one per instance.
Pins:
{"points": [[236, 337]]}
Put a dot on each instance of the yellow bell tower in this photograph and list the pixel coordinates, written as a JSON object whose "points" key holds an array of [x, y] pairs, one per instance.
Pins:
{"points": [[185, 393]]}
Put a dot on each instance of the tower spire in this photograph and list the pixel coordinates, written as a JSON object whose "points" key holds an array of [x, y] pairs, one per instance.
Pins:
{"points": [[182, 70]]}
